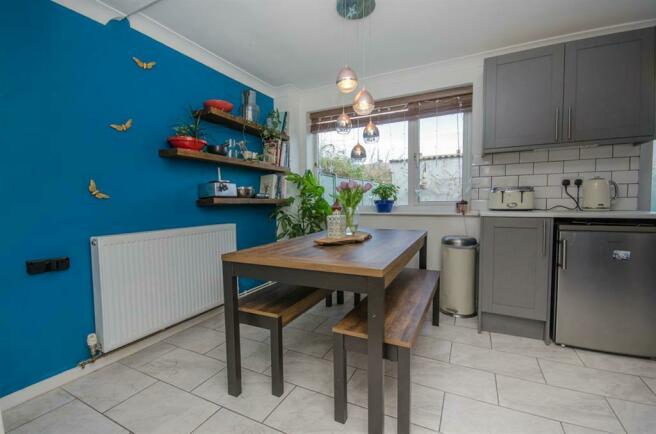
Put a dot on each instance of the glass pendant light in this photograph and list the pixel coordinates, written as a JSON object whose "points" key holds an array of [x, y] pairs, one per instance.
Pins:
{"points": [[347, 81], [343, 124], [358, 153], [370, 134], [363, 104]]}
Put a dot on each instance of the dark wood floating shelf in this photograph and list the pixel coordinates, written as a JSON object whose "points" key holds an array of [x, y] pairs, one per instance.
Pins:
{"points": [[221, 201], [217, 116], [188, 154]]}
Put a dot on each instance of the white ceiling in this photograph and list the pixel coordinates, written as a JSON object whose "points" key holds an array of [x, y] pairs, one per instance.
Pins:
{"points": [[300, 42]]}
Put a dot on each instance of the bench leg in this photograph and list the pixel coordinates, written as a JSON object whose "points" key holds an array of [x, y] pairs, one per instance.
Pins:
{"points": [[339, 378], [277, 380], [356, 299], [403, 392], [329, 300], [340, 297], [436, 305]]}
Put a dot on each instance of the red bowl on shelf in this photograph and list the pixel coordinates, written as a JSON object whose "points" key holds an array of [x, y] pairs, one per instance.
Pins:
{"points": [[186, 142], [219, 104]]}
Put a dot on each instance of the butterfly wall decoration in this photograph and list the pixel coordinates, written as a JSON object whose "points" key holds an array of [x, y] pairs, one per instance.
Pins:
{"points": [[122, 127], [95, 192], [144, 65]]}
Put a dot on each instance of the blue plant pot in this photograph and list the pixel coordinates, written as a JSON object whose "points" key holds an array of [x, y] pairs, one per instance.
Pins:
{"points": [[384, 205]]}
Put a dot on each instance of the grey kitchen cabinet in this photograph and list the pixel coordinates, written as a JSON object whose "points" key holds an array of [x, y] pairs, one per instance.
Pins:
{"points": [[523, 98], [596, 90], [609, 86], [515, 275]]}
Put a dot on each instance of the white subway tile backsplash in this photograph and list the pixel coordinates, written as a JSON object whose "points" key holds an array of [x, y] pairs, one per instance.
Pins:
{"points": [[474, 194], [540, 203], [613, 164], [480, 160], [626, 176], [589, 175], [548, 192], [594, 151], [475, 171], [626, 150], [635, 163], [622, 190], [553, 167], [557, 179], [498, 170], [505, 181], [534, 156], [519, 169], [483, 193], [633, 190], [532, 180], [481, 182], [561, 203], [625, 204], [506, 158], [564, 154], [580, 166]]}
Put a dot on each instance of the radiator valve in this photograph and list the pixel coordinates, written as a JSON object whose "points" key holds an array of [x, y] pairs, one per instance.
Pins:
{"points": [[95, 349]]}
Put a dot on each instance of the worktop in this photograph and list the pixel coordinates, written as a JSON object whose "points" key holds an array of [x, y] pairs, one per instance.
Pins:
{"points": [[573, 214]]}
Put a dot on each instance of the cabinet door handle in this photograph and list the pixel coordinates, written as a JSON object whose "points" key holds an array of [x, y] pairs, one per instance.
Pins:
{"points": [[557, 123], [544, 238], [569, 123]]}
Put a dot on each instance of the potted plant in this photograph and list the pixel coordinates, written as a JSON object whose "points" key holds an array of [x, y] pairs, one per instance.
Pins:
{"points": [[306, 213], [272, 136], [387, 196], [189, 136], [350, 194]]}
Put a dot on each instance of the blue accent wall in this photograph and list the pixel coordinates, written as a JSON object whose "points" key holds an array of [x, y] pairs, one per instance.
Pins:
{"points": [[63, 79]]}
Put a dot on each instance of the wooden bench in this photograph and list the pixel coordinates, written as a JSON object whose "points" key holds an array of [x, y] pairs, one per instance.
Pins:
{"points": [[406, 302], [272, 308]]}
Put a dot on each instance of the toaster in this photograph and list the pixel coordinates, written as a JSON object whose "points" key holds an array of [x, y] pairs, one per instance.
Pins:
{"points": [[511, 198], [220, 188]]}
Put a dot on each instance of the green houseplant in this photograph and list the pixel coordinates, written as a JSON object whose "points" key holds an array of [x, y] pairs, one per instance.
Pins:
{"points": [[387, 194], [306, 213], [189, 135]]}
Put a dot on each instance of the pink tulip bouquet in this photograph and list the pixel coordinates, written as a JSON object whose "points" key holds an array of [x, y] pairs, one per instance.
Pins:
{"points": [[349, 195]]}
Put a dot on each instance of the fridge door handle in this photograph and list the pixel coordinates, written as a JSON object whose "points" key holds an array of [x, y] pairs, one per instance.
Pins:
{"points": [[563, 254]]}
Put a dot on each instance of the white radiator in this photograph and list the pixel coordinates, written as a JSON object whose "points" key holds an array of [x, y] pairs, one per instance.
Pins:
{"points": [[146, 281]]}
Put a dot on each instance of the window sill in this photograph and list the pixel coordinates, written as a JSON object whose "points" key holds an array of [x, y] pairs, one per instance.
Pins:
{"points": [[417, 212]]}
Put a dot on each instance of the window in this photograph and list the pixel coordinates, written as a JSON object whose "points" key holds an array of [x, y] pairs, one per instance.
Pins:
{"points": [[423, 149]]}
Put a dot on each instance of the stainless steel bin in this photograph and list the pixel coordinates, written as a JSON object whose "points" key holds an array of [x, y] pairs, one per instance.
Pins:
{"points": [[458, 276]]}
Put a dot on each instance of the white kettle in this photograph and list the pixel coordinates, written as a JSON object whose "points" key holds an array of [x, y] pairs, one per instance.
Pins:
{"points": [[596, 194]]}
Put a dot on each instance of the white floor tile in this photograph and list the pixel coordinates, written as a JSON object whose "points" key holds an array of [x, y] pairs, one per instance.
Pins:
{"points": [[636, 418], [197, 339], [254, 333], [108, 386], [612, 384], [217, 322], [471, 323], [467, 416], [456, 379], [651, 382], [162, 409], [255, 356], [625, 365], [307, 322], [359, 360], [255, 400], [71, 418], [426, 403], [326, 327], [182, 368], [312, 344], [514, 365], [34, 408], [564, 405], [225, 421], [310, 372], [147, 355], [534, 348], [462, 335], [575, 429], [435, 349]]}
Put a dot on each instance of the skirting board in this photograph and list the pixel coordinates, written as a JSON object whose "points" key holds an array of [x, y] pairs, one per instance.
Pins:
{"points": [[527, 328], [59, 380]]}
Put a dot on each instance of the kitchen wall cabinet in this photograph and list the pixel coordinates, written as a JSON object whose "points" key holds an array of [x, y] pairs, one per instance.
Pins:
{"points": [[596, 90], [515, 275]]}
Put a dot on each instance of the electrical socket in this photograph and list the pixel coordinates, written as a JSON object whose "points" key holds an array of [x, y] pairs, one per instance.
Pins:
{"points": [[578, 182], [565, 182]]}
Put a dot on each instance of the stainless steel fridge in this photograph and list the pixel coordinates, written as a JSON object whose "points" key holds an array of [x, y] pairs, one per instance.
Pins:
{"points": [[605, 296]]}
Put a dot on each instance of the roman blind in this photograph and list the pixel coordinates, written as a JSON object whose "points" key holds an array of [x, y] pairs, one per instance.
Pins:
{"points": [[389, 110]]}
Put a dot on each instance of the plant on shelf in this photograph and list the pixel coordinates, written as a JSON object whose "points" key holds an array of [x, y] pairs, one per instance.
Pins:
{"points": [[189, 135], [349, 195], [387, 195], [306, 213]]}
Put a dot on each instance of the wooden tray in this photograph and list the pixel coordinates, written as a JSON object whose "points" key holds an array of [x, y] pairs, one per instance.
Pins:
{"points": [[358, 237]]}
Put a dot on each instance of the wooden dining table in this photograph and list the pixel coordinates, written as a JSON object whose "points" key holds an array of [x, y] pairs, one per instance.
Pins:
{"points": [[364, 268]]}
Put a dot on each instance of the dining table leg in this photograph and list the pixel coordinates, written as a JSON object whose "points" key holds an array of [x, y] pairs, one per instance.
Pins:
{"points": [[231, 313], [376, 330]]}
